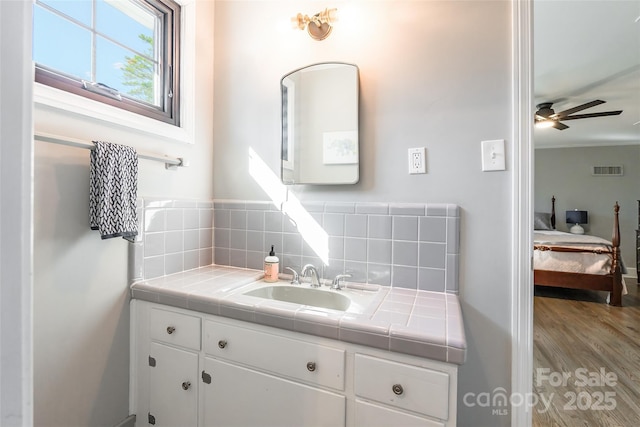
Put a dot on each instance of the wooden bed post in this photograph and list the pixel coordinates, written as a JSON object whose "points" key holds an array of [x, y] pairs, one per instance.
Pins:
{"points": [[615, 297], [553, 212]]}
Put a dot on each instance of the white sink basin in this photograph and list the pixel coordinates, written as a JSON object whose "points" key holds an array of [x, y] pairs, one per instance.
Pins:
{"points": [[352, 298], [304, 296]]}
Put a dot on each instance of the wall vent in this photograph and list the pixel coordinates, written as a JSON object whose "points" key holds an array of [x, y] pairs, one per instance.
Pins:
{"points": [[607, 171]]}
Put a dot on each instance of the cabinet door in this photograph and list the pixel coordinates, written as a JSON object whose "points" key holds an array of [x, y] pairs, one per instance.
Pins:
{"points": [[173, 384], [237, 396], [371, 415]]}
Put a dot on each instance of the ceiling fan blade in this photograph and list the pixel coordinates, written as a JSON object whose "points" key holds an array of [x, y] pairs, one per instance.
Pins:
{"points": [[560, 126], [565, 113], [586, 116]]}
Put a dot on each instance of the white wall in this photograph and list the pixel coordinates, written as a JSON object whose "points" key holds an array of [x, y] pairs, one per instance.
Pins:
{"points": [[432, 73], [81, 313], [566, 173]]}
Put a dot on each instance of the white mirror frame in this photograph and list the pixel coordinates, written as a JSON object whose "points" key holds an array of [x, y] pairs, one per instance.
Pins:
{"points": [[291, 95], [315, 152]]}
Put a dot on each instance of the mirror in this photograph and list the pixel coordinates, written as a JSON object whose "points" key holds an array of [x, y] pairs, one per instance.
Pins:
{"points": [[320, 125]]}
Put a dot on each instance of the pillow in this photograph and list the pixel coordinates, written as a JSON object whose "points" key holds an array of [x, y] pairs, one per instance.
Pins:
{"points": [[542, 221]]}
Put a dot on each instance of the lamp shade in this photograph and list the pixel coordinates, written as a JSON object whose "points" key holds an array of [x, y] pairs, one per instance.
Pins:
{"points": [[577, 217]]}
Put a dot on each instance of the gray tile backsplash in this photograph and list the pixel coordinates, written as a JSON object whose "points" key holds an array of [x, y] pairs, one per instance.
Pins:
{"points": [[355, 226], [355, 249], [379, 251], [405, 227], [414, 246], [176, 235], [404, 245], [333, 224]]}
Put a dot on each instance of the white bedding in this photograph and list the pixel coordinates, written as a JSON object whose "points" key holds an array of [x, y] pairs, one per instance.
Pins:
{"points": [[561, 238], [573, 262]]}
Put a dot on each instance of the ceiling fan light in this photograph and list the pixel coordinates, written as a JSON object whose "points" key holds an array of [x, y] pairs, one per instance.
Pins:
{"points": [[543, 124]]}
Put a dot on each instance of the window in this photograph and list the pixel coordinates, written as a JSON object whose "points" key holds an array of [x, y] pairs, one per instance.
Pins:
{"points": [[124, 53]]}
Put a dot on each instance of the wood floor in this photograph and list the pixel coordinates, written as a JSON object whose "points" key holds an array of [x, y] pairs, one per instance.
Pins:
{"points": [[578, 336]]}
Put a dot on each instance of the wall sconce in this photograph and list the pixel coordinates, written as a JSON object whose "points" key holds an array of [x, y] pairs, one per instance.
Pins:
{"points": [[319, 25]]}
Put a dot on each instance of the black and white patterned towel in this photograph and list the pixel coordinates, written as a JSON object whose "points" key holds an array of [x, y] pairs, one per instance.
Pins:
{"points": [[113, 188]]}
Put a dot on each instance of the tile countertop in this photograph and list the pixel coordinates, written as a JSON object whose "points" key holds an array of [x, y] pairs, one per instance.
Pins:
{"points": [[420, 323]]}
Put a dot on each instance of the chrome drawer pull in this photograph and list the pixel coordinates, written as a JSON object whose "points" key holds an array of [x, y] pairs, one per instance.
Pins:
{"points": [[311, 366], [186, 385], [222, 343], [397, 389], [171, 329]]}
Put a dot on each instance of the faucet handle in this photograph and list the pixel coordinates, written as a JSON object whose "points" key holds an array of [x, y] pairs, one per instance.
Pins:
{"points": [[296, 279], [336, 281]]}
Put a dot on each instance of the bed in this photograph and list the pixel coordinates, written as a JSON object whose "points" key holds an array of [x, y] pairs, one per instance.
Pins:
{"points": [[574, 261]]}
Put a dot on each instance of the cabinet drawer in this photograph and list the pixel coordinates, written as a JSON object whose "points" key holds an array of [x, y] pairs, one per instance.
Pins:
{"points": [[407, 387], [175, 328], [367, 414], [300, 360]]}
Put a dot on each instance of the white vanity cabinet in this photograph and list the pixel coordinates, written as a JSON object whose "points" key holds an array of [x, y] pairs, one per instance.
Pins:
{"points": [[256, 378], [240, 396], [225, 372], [172, 367], [399, 387], [173, 398]]}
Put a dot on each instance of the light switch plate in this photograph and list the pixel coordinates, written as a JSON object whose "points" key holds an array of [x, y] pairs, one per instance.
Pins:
{"points": [[493, 158]]}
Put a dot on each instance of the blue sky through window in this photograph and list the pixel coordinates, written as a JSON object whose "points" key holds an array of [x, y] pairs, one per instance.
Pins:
{"points": [[65, 46]]}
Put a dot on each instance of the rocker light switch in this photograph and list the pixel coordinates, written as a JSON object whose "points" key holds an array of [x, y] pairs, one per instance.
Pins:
{"points": [[493, 158]]}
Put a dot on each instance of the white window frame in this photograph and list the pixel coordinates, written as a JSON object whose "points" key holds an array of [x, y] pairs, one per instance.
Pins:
{"points": [[47, 97]]}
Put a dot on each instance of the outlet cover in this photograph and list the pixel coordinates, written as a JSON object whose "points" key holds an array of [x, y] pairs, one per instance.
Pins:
{"points": [[417, 160]]}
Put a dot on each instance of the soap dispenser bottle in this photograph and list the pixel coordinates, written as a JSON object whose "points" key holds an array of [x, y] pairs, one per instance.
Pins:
{"points": [[271, 267]]}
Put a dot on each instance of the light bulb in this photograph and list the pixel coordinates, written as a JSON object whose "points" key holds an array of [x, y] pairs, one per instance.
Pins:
{"points": [[543, 124]]}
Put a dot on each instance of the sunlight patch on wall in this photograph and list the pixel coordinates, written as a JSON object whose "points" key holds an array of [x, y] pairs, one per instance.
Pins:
{"points": [[312, 233]]}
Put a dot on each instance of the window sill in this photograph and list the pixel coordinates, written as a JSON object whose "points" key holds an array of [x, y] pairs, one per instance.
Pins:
{"points": [[46, 97]]}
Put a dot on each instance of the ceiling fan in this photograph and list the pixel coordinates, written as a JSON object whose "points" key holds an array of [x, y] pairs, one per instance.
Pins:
{"points": [[547, 117]]}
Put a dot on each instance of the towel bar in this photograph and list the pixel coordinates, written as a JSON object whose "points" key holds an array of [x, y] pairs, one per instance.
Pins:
{"points": [[169, 163]]}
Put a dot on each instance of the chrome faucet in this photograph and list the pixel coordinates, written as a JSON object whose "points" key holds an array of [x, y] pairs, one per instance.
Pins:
{"points": [[309, 268], [295, 280], [336, 281]]}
